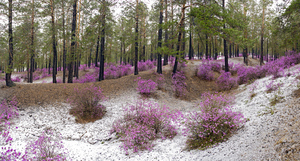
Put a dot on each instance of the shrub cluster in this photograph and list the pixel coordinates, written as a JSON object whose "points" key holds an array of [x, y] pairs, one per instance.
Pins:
{"points": [[214, 124], [142, 123], [85, 104], [47, 147], [205, 72], [146, 87], [226, 82], [179, 84], [147, 65]]}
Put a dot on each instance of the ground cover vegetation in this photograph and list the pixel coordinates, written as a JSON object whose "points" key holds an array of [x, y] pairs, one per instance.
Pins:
{"points": [[73, 46]]}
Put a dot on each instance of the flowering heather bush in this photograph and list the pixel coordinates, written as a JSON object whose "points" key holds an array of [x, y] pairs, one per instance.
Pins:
{"points": [[205, 72], [226, 82], [160, 81], [83, 67], [47, 147], [16, 79], [8, 110], [246, 74], [146, 86], [85, 104], [147, 65], [142, 123], [179, 84], [215, 123], [272, 87], [215, 66]]}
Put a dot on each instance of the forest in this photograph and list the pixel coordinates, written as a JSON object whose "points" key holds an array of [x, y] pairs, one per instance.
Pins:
{"points": [[149, 80]]}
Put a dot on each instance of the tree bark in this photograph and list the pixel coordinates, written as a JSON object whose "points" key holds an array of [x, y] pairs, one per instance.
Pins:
{"points": [[225, 46], [54, 71], [136, 46], [166, 33], [73, 42], [8, 72], [101, 71], [159, 65], [181, 26], [64, 43], [262, 38]]}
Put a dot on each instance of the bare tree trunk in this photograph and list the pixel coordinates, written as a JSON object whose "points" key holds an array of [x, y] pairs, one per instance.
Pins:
{"points": [[101, 71], [32, 46], [64, 43], [8, 72], [73, 42], [181, 28], [166, 33], [53, 43], [225, 46], [136, 46], [159, 65], [262, 38]]}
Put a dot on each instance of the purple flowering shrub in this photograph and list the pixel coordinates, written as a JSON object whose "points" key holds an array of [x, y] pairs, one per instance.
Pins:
{"points": [[226, 82], [47, 147], [179, 84], [205, 72], [16, 79], [85, 105], [8, 110], [146, 87], [142, 123], [147, 65], [214, 124]]}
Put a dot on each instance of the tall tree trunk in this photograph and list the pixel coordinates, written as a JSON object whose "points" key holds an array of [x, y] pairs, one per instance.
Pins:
{"points": [[8, 72], [181, 28], [225, 46], [54, 71], [136, 46], [267, 50], [159, 65], [64, 43], [101, 71], [166, 33], [245, 50], [73, 42], [32, 45], [97, 51], [262, 37]]}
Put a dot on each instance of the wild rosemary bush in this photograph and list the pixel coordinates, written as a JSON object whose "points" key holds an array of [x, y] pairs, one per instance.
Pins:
{"points": [[146, 87], [47, 147], [142, 123], [214, 124], [85, 104], [8, 110], [226, 82], [179, 84]]}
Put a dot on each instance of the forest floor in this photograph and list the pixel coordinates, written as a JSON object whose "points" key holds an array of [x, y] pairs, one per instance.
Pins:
{"points": [[272, 132]]}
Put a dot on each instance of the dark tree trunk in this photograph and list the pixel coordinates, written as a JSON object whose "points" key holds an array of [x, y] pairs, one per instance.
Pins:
{"points": [[190, 45], [73, 42], [97, 51], [53, 43], [64, 43], [8, 72], [166, 33], [181, 28], [268, 50], [225, 47], [101, 71], [159, 65], [136, 46]]}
